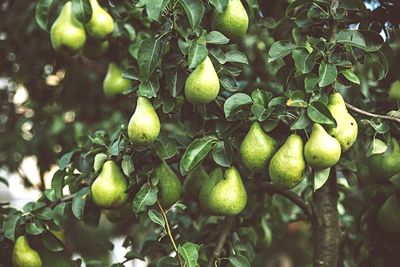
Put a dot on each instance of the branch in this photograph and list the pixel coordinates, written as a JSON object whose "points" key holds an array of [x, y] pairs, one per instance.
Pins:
{"points": [[64, 199], [369, 114], [221, 241], [170, 233]]}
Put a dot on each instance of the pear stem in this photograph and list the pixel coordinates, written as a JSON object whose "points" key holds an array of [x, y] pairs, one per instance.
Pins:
{"points": [[168, 228], [369, 114], [221, 241]]}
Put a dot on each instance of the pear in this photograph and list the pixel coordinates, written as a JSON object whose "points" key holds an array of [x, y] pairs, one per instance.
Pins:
{"points": [[67, 34], [389, 215], [233, 22], [287, 166], [257, 148], [119, 215], [109, 188], [23, 255], [144, 125], [385, 165], [223, 194], [113, 82], [101, 24], [202, 85], [94, 49], [194, 181], [394, 91], [346, 130], [321, 150], [169, 186]]}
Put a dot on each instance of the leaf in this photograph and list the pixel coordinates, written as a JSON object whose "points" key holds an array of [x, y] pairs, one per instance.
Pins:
{"points": [[150, 52], [52, 243], [222, 153], [65, 160], [261, 97], [239, 261], [377, 146], [35, 228], [310, 82], [79, 201], [236, 56], [155, 8], [327, 74], [215, 37], [99, 160], [235, 102], [195, 153], [301, 123], [260, 112], [59, 214], [134, 255], [190, 253], [280, 49], [352, 38], [10, 225], [373, 40], [351, 76], [127, 165], [320, 177], [149, 88], [82, 10], [194, 10], [319, 113], [42, 11], [197, 54], [4, 181], [168, 262], [303, 60], [175, 82], [220, 5], [165, 148], [156, 217], [147, 196]]}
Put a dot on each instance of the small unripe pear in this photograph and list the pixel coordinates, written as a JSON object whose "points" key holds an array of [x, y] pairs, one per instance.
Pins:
{"points": [[113, 82], [389, 215], [23, 255], [194, 181], [169, 186], [101, 24], [384, 166], [394, 91]]}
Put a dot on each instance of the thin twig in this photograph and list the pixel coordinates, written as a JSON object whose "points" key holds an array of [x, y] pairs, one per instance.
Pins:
{"points": [[221, 241], [64, 199], [170, 233], [369, 114]]}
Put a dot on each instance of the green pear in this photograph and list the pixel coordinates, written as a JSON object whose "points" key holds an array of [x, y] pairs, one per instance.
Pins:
{"points": [[223, 194], [194, 181], [94, 48], [169, 186], [202, 85], [287, 166], [109, 188], [257, 148], [144, 125], [101, 24], [23, 255], [389, 215], [385, 165], [119, 215], [394, 91], [321, 150], [346, 130], [113, 82], [233, 22], [67, 34]]}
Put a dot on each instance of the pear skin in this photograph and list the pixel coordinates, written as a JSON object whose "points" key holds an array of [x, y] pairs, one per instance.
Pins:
{"points": [[321, 150], [144, 125], [109, 188], [394, 91], [23, 255], [347, 129], [233, 22], [389, 216], [67, 34], [169, 186], [194, 181], [257, 148], [202, 85], [101, 24], [287, 166], [113, 82], [224, 195], [384, 166]]}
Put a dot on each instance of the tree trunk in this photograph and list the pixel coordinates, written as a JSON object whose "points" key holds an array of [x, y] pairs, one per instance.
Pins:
{"points": [[326, 227]]}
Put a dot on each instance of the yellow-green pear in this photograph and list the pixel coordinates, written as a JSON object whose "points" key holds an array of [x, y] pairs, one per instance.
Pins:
{"points": [[109, 188], [223, 193], [169, 185], [113, 82], [347, 129], [257, 148], [233, 22], [144, 125], [385, 165], [101, 24], [321, 150], [194, 181], [23, 255], [389, 215], [94, 48], [202, 85], [394, 91], [67, 34], [287, 166]]}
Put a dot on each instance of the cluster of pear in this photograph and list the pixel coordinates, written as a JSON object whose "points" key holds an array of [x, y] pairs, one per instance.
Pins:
{"points": [[68, 34], [288, 163]]}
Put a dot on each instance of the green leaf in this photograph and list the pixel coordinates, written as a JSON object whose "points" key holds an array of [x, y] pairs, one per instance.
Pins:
{"points": [[156, 217], [376, 147], [59, 214], [79, 201], [280, 49], [65, 160], [351, 76], [194, 10], [150, 52], [197, 54], [352, 38], [261, 97], [260, 112], [216, 37], [239, 261], [165, 147], [147, 196], [236, 101], [10, 225], [236, 56], [149, 88], [327, 74], [99, 160], [52, 243], [320, 177], [190, 253], [4, 181], [301, 123], [373, 40], [127, 165], [134, 255], [304, 60], [82, 10], [35, 228], [222, 153], [310, 82], [195, 153], [175, 82], [42, 11], [220, 5], [318, 112], [155, 8], [168, 262]]}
